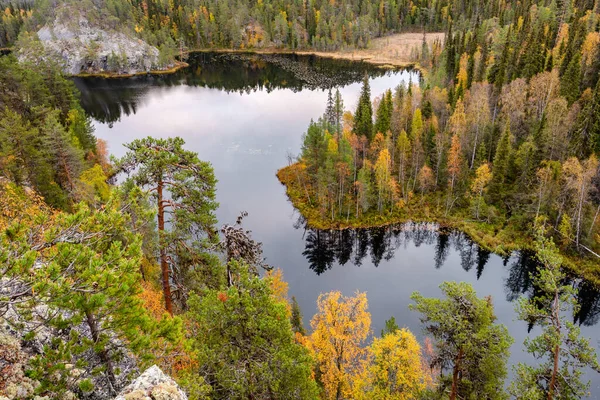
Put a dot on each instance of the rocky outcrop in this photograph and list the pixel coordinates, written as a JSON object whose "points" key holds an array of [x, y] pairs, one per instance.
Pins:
{"points": [[29, 335], [81, 47], [153, 384]]}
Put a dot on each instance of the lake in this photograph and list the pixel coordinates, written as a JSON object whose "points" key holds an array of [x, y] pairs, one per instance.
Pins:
{"points": [[245, 114]]}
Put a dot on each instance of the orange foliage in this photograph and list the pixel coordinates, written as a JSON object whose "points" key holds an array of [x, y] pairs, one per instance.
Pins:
{"points": [[153, 300]]}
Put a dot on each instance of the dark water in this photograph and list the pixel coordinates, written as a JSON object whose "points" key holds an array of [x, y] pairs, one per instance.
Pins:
{"points": [[244, 114]]}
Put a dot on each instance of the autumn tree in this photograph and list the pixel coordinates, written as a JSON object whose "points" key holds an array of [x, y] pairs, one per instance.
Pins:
{"points": [[483, 176], [184, 190], [454, 168], [562, 353], [394, 368], [340, 327], [383, 178], [468, 342]]}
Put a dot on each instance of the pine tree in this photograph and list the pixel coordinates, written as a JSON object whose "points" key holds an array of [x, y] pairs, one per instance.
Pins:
{"points": [[244, 344], [92, 279], [330, 114], [562, 352], [184, 189], [296, 318], [467, 340]]}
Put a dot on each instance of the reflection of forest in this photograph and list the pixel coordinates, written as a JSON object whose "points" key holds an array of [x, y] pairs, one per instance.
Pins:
{"points": [[107, 99], [325, 248]]}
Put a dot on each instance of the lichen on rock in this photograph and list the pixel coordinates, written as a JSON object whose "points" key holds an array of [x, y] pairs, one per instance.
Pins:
{"points": [[80, 46], [153, 384]]}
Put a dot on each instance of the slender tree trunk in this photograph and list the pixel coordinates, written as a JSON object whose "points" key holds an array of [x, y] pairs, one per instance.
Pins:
{"points": [[580, 206], [475, 146], [539, 205], [455, 372], [102, 354], [594, 220], [164, 265], [556, 321], [478, 204]]}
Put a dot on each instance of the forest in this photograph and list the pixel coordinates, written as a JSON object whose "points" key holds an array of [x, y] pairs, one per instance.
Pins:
{"points": [[101, 280], [499, 136], [110, 265]]}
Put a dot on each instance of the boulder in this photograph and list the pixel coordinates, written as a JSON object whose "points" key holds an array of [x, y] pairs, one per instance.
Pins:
{"points": [[153, 384]]}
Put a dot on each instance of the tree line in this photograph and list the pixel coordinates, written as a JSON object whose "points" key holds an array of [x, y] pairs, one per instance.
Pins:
{"points": [[500, 159]]}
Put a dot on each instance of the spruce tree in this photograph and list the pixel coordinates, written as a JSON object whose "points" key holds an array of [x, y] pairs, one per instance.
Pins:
{"points": [[570, 83], [501, 163], [330, 115], [339, 111], [384, 114], [363, 118]]}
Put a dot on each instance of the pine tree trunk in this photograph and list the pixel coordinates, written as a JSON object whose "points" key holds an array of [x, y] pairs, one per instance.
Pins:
{"points": [[164, 265], [455, 372], [102, 354], [556, 322]]}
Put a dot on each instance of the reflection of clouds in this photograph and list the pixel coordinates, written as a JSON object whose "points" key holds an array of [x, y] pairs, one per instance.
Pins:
{"points": [[237, 148]]}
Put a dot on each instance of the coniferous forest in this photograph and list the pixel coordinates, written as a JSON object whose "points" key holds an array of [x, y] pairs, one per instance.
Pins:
{"points": [[110, 265]]}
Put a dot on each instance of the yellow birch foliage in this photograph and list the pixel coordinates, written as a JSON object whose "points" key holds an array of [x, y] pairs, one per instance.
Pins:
{"points": [[279, 287], [483, 176], [340, 327], [462, 76], [394, 369]]}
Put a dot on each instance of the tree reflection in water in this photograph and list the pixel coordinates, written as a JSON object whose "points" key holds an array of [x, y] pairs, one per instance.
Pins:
{"points": [[325, 248], [107, 100]]}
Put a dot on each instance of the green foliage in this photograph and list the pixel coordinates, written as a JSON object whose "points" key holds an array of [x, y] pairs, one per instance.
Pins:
{"points": [[183, 188], [467, 341], [561, 352], [44, 134], [89, 286], [314, 147], [390, 327], [384, 114], [296, 318], [245, 345], [363, 117]]}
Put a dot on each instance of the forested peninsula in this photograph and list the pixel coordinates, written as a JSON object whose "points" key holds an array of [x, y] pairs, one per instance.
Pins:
{"points": [[116, 281], [499, 136]]}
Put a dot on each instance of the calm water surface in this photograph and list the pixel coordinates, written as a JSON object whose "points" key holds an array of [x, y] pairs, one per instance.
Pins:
{"points": [[245, 114]]}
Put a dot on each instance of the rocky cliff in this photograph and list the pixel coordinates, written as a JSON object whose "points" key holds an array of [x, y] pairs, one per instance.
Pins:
{"points": [[83, 47]]}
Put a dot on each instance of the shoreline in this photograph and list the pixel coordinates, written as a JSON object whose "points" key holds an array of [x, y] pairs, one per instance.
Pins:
{"points": [[111, 75], [498, 239], [338, 55]]}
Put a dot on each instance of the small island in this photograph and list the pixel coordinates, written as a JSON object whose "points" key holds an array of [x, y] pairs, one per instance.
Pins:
{"points": [[440, 154]]}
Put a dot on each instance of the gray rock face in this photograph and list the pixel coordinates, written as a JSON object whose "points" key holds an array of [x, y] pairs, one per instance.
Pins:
{"points": [[80, 48], [153, 384]]}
